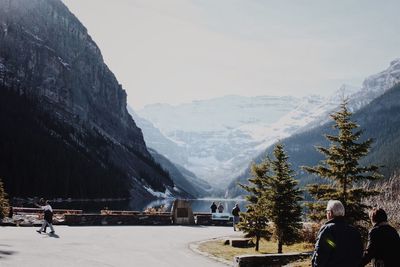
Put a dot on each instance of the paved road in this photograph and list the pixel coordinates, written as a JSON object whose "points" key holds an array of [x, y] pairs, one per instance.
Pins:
{"points": [[147, 246]]}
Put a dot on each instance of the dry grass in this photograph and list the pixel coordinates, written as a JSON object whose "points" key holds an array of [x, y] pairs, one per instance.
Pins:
{"points": [[227, 252]]}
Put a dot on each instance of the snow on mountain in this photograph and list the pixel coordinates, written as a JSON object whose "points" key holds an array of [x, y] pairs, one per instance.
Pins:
{"points": [[373, 86], [383, 80], [309, 109], [316, 113], [315, 110], [218, 137], [227, 112]]}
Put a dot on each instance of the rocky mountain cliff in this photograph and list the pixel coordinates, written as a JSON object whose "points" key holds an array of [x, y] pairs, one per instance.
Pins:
{"points": [[48, 58]]}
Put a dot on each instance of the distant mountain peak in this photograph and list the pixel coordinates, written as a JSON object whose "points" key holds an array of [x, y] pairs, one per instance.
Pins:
{"points": [[313, 117], [395, 62], [344, 91], [382, 81]]}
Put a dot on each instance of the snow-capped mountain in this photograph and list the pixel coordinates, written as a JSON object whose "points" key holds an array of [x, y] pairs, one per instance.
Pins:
{"points": [[373, 86], [377, 84], [314, 111], [300, 146], [217, 138]]}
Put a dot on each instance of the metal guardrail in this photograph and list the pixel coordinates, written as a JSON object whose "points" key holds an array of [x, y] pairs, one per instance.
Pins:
{"points": [[19, 210]]}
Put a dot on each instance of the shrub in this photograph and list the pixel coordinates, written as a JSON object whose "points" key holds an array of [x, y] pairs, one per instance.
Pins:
{"points": [[4, 205], [309, 232], [388, 198]]}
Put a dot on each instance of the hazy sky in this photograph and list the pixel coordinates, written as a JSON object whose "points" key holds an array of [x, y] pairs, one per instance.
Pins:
{"points": [[176, 51]]}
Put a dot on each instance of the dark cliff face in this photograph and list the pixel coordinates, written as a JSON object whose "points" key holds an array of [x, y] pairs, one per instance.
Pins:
{"points": [[50, 54], [47, 56]]}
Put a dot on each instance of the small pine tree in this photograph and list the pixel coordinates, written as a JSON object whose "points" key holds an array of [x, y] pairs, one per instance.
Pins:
{"points": [[4, 205], [342, 167], [254, 222], [282, 200]]}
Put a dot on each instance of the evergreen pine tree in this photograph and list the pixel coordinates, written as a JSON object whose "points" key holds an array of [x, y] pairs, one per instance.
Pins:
{"points": [[254, 222], [4, 206], [343, 169], [281, 200]]}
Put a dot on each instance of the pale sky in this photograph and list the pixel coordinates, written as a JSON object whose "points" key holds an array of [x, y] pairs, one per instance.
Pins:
{"points": [[175, 51]]}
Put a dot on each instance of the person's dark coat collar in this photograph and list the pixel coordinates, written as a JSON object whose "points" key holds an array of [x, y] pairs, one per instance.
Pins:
{"points": [[381, 224], [339, 219]]}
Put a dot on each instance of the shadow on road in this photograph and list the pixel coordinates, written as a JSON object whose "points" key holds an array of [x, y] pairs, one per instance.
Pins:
{"points": [[53, 235], [6, 253]]}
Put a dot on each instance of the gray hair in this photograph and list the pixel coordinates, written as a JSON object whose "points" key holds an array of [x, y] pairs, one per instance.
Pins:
{"points": [[336, 207]]}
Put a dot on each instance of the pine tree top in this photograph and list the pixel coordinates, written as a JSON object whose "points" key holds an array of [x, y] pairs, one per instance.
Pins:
{"points": [[343, 168]]}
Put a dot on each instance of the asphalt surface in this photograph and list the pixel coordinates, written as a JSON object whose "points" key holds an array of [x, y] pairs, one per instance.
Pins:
{"points": [[146, 246]]}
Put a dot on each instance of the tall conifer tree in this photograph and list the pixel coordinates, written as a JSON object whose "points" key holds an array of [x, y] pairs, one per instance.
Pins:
{"points": [[281, 200], [343, 169], [4, 206], [254, 222]]}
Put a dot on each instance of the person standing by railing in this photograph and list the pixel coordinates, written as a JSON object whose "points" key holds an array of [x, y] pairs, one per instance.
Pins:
{"points": [[236, 217], [220, 208], [213, 207]]}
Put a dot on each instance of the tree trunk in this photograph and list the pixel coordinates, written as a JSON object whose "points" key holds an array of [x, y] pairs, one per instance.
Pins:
{"points": [[279, 246], [257, 242], [345, 192]]}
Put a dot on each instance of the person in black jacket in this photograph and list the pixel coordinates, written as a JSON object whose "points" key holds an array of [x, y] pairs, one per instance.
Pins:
{"points": [[338, 243], [236, 216], [213, 207], [383, 242]]}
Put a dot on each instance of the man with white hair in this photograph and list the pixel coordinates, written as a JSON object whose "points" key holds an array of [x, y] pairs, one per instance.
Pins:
{"points": [[338, 243]]}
